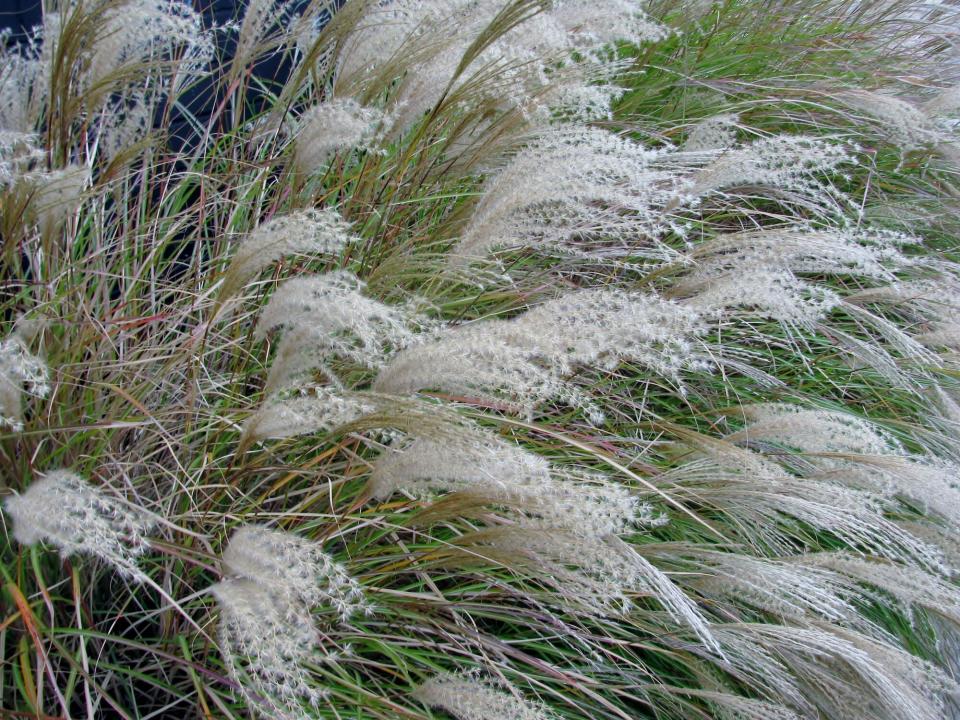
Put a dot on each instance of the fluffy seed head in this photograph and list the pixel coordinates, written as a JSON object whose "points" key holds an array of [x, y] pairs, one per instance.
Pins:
{"points": [[334, 126], [527, 357], [266, 640], [550, 497], [468, 698], [19, 370], [76, 517], [307, 232], [294, 568]]}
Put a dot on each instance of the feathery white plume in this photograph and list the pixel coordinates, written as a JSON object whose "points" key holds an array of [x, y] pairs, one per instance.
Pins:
{"points": [[266, 641], [468, 698], [305, 232], [570, 186], [334, 126], [911, 586], [17, 151], [713, 133], [329, 315], [479, 464], [318, 409], [786, 164], [778, 259], [64, 510], [814, 430], [855, 676], [600, 574], [19, 370], [57, 195], [906, 125], [294, 568], [140, 30], [527, 357]]}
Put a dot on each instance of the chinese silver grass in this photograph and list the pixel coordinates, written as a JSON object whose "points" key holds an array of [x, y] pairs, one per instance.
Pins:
{"points": [[267, 640], [548, 496], [930, 483], [736, 707], [258, 17], [517, 55], [125, 122], [293, 568], [932, 302], [470, 698], [317, 409], [305, 232], [814, 430], [713, 133], [789, 166], [76, 517], [333, 126], [842, 672], [527, 357], [20, 371], [571, 185], [18, 74], [326, 316], [134, 32], [867, 255], [943, 104], [906, 125], [775, 293], [314, 410], [772, 507], [56, 195], [17, 152], [911, 586], [785, 588], [602, 575]]}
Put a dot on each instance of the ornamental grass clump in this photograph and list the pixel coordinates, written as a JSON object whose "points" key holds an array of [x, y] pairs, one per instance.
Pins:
{"points": [[496, 359]]}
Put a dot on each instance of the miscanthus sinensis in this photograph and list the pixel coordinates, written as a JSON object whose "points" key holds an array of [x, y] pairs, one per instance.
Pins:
{"points": [[600, 575], [500, 472], [930, 304], [813, 430], [911, 586], [757, 493], [786, 588], [20, 372], [133, 33], [267, 640], [793, 168], [471, 698], [856, 676], [303, 232], [590, 183], [55, 196], [598, 194], [274, 581], [339, 124], [18, 151], [107, 72], [76, 517], [312, 410], [527, 358], [786, 267], [329, 316], [714, 133], [294, 568], [525, 58], [908, 126]]}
